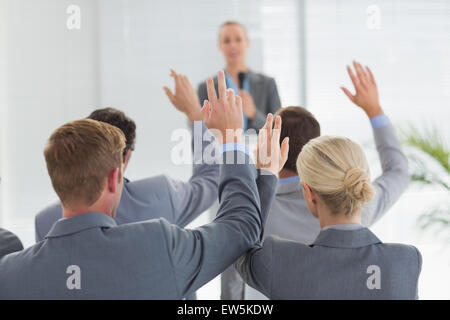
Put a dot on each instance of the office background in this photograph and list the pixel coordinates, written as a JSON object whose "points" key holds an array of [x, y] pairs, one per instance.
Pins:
{"points": [[121, 57]]}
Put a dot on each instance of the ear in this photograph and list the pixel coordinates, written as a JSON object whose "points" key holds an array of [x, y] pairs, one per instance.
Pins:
{"points": [[113, 180], [127, 157], [309, 194]]}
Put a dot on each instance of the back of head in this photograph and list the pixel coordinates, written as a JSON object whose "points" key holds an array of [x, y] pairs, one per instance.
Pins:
{"points": [[300, 126], [336, 169], [118, 119], [80, 155]]}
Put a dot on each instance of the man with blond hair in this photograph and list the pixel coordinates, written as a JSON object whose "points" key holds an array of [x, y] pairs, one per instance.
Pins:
{"points": [[87, 256]]}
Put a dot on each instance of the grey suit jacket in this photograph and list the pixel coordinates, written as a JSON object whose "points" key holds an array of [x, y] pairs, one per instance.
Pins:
{"points": [[290, 217], [9, 243], [340, 264], [157, 197], [265, 95], [90, 257]]}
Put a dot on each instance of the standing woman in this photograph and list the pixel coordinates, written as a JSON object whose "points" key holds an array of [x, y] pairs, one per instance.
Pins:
{"points": [[259, 92]]}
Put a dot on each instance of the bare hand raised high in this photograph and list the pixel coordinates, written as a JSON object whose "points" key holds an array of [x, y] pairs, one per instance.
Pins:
{"points": [[223, 114], [270, 155], [185, 97], [366, 95]]}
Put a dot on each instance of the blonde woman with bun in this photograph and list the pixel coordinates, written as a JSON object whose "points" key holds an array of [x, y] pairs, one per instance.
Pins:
{"points": [[346, 260]]}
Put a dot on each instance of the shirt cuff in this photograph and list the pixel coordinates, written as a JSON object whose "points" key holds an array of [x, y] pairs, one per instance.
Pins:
{"points": [[379, 121], [235, 147]]}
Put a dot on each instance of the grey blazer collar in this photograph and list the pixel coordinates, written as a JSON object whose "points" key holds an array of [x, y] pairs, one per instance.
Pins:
{"points": [[346, 238], [79, 223]]}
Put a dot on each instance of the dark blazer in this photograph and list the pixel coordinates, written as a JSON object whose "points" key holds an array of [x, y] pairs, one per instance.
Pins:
{"points": [[264, 92], [9, 243]]}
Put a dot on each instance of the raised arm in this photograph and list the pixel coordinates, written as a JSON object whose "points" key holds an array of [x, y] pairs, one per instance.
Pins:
{"points": [[255, 266], [201, 254], [395, 177], [190, 199]]}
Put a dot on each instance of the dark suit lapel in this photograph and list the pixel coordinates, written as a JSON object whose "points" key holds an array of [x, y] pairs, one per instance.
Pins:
{"points": [[255, 83]]}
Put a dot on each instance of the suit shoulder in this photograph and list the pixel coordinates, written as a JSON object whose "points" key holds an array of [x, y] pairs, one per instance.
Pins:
{"points": [[277, 243], [10, 241], [262, 77], [143, 226], [406, 253], [53, 210], [147, 188]]}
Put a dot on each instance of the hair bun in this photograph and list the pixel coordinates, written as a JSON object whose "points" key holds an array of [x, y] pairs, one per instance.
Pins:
{"points": [[357, 185]]}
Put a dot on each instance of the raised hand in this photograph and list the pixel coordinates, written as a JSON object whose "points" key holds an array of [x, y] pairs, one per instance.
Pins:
{"points": [[185, 97], [366, 95], [223, 114], [269, 154]]}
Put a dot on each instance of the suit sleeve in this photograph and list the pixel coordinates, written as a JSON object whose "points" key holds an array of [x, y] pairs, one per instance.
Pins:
{"points": [[255, 267], [190, 199], [38, 233], [419, 269], [272, 106], [9, 243], [201, 254], [232, 285], [394, 178]]}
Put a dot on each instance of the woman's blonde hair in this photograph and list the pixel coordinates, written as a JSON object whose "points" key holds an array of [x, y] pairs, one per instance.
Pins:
{"points": [[336, 169]]}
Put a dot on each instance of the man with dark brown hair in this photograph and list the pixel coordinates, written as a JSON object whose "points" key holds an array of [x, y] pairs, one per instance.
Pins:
{"points": [[300, 126]]}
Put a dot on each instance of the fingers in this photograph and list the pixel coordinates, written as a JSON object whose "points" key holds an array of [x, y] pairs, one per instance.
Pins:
{"points": [[277, 130], [360, 72], [371, 77], [239, 103], [268, 119], [169, 94], [221, 84], [348, 94], [206, 111], [284, 150], [269, 123], [212, 97], [354, 79], [231, 97]]}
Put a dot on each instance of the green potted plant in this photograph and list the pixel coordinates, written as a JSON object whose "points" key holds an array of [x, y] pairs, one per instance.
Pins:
{"points": [[430, 167]]}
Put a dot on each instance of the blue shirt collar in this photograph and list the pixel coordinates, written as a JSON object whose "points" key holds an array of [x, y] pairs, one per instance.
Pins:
{"points": [[289, 180]]}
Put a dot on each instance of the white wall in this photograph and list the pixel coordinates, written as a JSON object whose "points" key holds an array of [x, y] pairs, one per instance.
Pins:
{"points": [[50, 77], [140, 41]]}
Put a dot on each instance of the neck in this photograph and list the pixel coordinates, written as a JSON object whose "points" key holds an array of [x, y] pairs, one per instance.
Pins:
{"points": [[235, 68], [287, 173], [100, 206], [328, 219], [70, 213]]}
